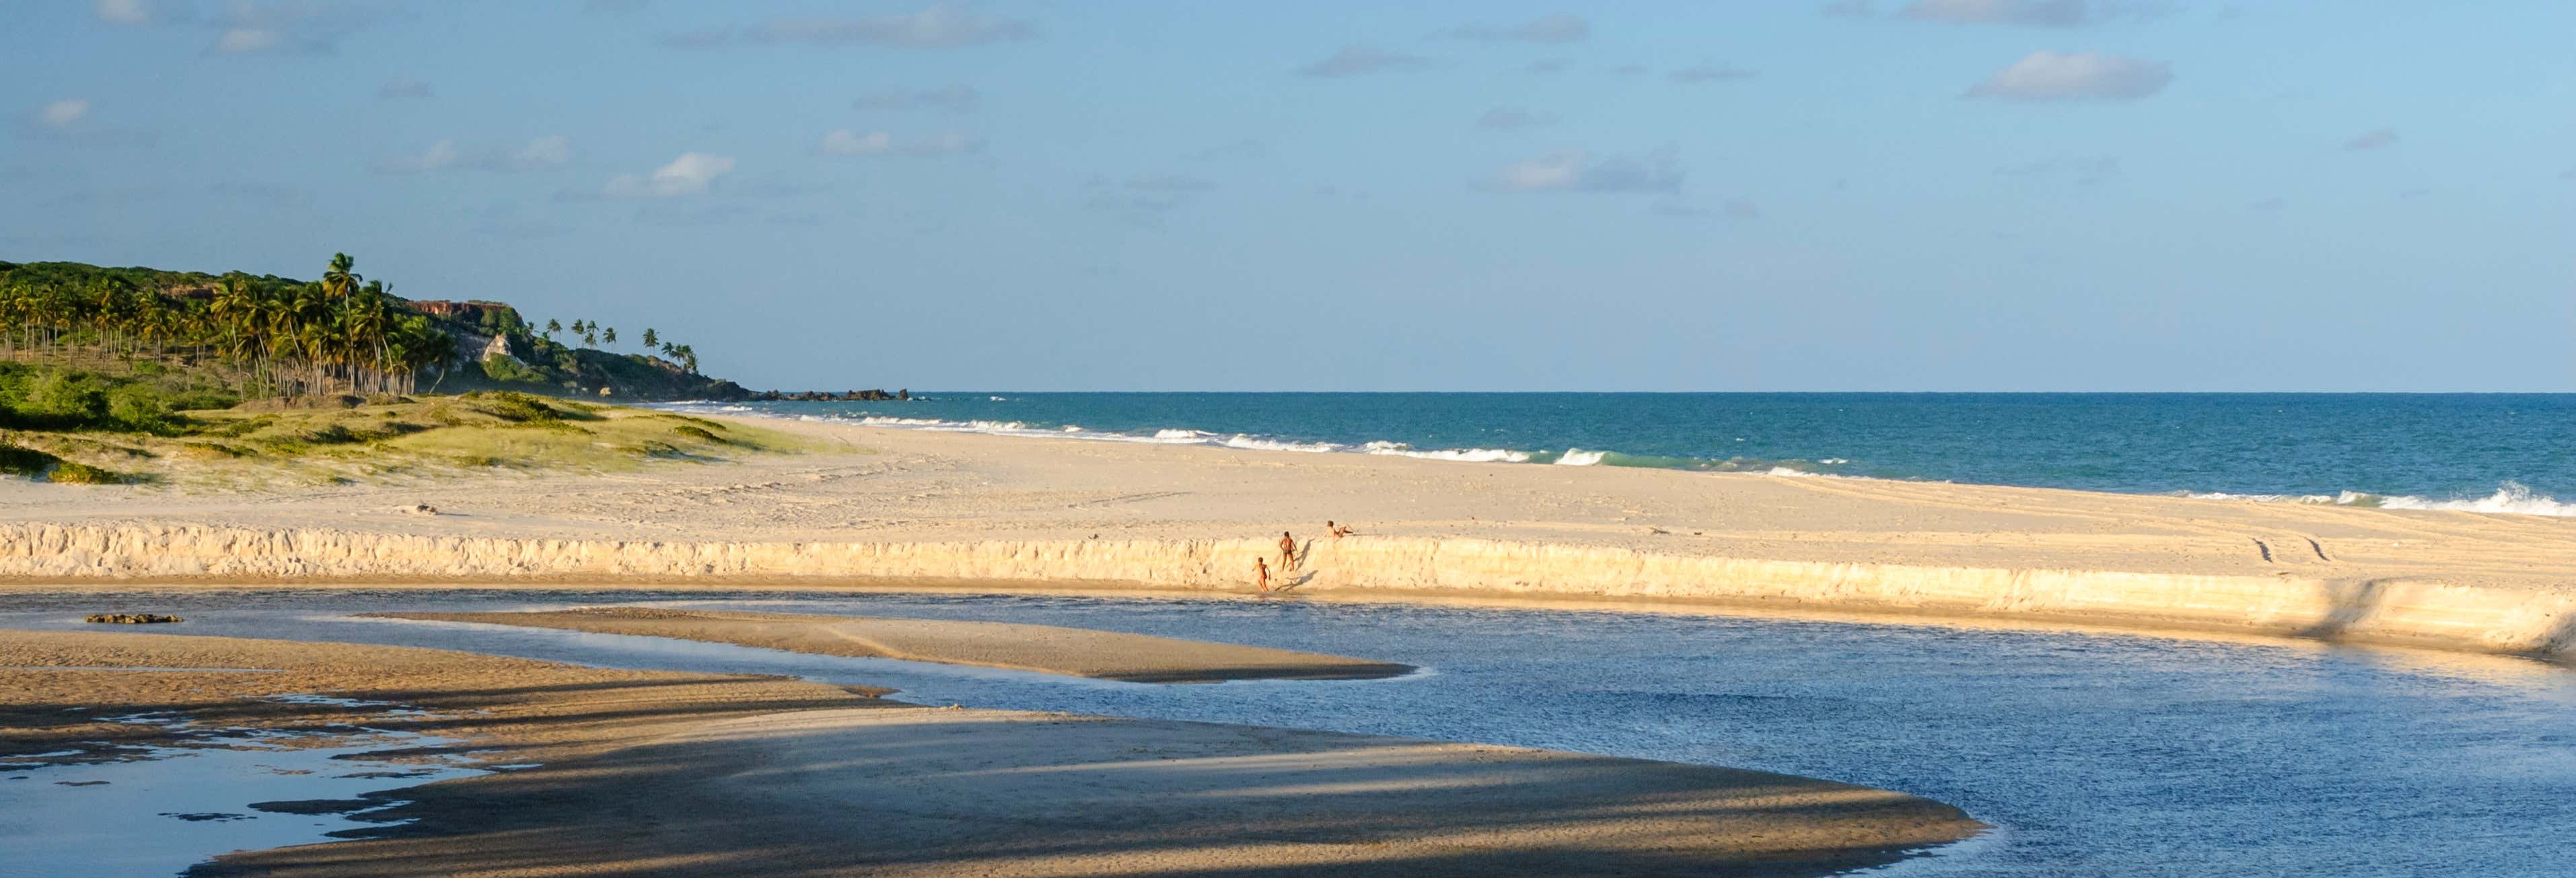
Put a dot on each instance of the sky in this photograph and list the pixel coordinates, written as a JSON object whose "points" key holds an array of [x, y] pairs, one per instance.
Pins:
{"points": [[2115, 195]]}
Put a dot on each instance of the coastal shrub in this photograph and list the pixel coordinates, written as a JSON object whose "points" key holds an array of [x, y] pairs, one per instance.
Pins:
{"points": [[699, 433], [504, 370], [73, 473], [25, 462], [142, 410]]}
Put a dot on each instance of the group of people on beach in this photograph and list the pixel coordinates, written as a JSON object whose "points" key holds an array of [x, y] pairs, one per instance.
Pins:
{"points": [[1288, 555]]}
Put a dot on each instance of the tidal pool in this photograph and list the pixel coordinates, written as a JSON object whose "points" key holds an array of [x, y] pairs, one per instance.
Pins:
{"points": [[2093, 753]]}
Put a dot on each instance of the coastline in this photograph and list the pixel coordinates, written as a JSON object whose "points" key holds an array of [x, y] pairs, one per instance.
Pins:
{"points": [[872, 508]]}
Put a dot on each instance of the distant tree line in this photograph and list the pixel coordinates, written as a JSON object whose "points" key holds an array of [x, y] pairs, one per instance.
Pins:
{"points": [[341, 334]]}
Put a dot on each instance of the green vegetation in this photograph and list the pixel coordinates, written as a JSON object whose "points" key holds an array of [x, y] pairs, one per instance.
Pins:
{"points": [[344, 335], [269, 442], [122, 375]]}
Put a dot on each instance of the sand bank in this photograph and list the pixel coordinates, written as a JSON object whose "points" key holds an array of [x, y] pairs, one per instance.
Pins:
{"points": [[1107, 655], [879, 504], [652, 772]]}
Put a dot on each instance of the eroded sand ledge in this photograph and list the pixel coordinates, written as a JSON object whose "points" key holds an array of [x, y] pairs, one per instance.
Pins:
{"points": [[2498, 619]]}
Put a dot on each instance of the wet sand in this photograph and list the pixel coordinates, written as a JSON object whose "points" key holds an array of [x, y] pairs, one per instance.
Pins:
{"points": [[706, 774], [1107, 655]]}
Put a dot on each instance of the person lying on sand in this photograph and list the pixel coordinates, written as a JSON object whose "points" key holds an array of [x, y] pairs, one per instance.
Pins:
{"points": [[1261, 569], [1287, 552], [1337, 530]]}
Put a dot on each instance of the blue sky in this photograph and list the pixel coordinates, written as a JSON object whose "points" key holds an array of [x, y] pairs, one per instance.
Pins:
{"points": [[1891, 195]]}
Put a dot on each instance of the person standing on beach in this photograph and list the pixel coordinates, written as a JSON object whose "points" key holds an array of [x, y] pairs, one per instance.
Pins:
{"points": [[1261, 570], [1287, 552]]}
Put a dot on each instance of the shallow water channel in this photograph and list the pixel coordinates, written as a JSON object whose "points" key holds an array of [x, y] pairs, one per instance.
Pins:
{"points": [[2092, 753]]}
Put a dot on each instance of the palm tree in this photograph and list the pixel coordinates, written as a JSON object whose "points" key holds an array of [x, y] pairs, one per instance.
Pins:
{"points": [[339, 280], [651, 338], [608, 335]]}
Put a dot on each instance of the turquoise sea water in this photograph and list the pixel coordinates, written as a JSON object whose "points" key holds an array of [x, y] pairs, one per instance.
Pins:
{"points": [[2484, 452]]}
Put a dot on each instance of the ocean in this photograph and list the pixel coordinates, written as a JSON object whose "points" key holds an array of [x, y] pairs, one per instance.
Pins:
{"points": [[2477, 452]]}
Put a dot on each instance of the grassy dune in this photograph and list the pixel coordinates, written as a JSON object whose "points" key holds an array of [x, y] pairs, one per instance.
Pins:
{"points": [[390, 439]]}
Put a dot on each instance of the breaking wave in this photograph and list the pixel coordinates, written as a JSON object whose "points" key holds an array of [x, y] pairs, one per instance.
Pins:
{"points": [[1247, 441], [2510, 497]]}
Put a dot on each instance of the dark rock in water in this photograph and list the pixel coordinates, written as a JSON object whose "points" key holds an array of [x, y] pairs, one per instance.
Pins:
{"points": [[131, 618], [80, 783], [204, 816], [313, 806]]}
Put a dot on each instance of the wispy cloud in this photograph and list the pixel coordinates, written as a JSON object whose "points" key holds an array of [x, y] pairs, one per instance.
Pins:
{"points": [[69, 120], [1559, 28], [2062, 76], [62, 113], [251, 26], [1579, 171], [2082, 170], [953, 98], [938, 27], [846, 142], [2029, 13], [1513, 119], [403, 87], [1699, 73], [1169, 183], [550, 151], [1355, 60], [699, 39], [2021, 13], [690, 174], [2376, 138]]}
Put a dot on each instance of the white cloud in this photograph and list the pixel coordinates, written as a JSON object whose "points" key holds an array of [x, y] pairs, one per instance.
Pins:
{"points": [[62, 113], [1558, 28], [846, 142], [940, 26], [1578, 171], [1169, 183], [1699, 73], [2049, 76], [403, 87], [1355, 60], [953, 98], [544, 152], [2033, 13], [125, 11], [237, 40], [552, 149], [1513, 119], [2373, 139], [690, 174], [699, 39]]}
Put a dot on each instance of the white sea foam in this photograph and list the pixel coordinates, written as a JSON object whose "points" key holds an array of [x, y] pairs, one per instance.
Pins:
{"points": [[1580, 457], [1470, 455], [1191, 435], [1240, 440], [2511, 498]]}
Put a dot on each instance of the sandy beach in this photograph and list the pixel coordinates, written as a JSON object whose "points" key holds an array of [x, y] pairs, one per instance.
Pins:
{"points": [[640, 772], [876, 504]]}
